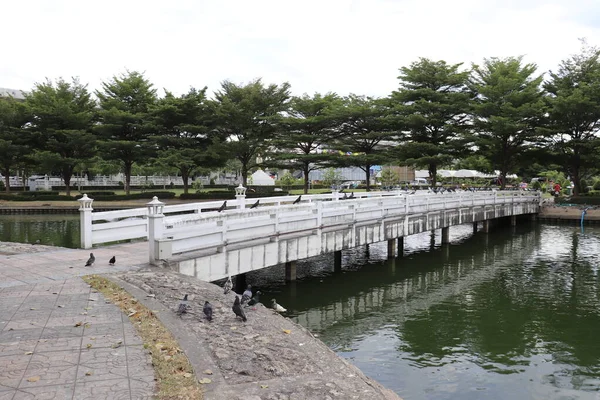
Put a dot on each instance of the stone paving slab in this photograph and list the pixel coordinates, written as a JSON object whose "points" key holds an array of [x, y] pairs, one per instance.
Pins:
{"points": [[59, 339]]}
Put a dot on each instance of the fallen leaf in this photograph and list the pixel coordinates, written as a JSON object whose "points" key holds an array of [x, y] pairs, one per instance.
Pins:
{"points": [[88, 325], [204, 381], [187, 375], [32, 308], [29, 353], [159, 346], [89, 373], [264, 386], [150, 295], [287, 331], [78, 323], [233, 328], [131, 314], [33, 379], [89, 345], [167, 358], [207, 372], [60, 306], [88, 308]]}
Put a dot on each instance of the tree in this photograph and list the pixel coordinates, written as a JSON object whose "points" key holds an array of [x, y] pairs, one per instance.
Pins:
{"points": [[389, 178], [62, 115], [364, 134], [332, 178], [12, 137], [184, 137], [507, 113], [307, 127], [246, 116], [431, 108], [574, 112], [125, 102]]}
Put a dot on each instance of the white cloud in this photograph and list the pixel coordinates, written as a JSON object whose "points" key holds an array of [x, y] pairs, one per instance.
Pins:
{"points": [[329, 45]]}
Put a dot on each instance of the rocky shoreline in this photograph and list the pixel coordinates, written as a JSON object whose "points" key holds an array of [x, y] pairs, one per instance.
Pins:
{"points": [[269, 357]]}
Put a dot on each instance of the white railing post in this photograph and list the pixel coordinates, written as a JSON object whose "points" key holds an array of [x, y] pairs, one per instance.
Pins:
{"points": [[155, 227], [240, 195], [85, 221], [335, 194]]}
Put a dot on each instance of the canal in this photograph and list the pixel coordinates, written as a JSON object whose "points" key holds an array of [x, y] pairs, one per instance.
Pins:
{"points": [[509, 315]]}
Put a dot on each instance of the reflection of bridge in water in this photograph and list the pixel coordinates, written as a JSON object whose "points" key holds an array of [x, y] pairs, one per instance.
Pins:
{"points": [[409, 286]]}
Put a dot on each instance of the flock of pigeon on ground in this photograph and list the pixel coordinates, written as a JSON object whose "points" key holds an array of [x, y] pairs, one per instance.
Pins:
{"points": [[248, 299]]}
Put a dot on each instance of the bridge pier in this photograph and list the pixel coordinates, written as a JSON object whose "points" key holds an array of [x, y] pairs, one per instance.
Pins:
{"points": [[486, 226], [290, 271], [391, 253], [401, 246], [337, 261], [513, 220], [240, 283], [475, 227], [446, 235]]}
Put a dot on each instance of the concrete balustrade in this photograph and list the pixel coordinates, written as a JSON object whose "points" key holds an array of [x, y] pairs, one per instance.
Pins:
{"points": [[197, 240]]}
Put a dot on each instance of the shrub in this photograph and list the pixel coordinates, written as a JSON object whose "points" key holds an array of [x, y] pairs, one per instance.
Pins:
{"points": [[133, 196], [39, 193]]}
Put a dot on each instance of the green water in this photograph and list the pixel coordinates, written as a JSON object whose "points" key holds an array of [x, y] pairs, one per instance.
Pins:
{"points": [[509, 315], [49, 229]]}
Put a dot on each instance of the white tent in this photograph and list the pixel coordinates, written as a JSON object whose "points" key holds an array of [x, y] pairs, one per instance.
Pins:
{"points": [[261, 178]]}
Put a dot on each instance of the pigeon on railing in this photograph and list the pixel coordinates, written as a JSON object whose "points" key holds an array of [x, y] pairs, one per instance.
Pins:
{"points": [[351, 195], [297, 200], [223, 207], [255, 204]]}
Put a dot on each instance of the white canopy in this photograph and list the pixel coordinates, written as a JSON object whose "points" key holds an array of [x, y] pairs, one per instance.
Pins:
{"points": [[261, 178]]}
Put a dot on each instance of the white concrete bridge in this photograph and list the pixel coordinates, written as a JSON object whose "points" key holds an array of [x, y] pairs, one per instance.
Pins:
{"points": [[197, 240]]}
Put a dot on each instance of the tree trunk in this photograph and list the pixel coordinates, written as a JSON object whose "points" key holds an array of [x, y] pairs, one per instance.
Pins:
{"points": [[503, 174], [368, 175], [7, 180], [127, 171], [306, 180], [185, 174], [244, 175], [433, 174], [67, 174], [576, 181]]}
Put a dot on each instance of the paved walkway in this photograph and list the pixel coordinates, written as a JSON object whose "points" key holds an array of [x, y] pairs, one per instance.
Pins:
{"points": [[59, 339]]}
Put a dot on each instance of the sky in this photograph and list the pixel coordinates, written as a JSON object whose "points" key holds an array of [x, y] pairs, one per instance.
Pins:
{"points": [[350, 46]]}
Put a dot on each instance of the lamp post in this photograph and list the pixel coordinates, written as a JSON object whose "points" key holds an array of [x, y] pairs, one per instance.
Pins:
{"points": [[155, 227], [240, 195]]}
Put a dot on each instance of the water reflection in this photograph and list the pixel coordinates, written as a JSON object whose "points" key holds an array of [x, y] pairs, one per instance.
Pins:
{"points": [[513, 314], [49, 229]]}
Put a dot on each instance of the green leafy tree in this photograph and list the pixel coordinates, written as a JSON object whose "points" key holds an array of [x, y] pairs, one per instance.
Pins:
{"points": [[62, 115], [507, 113], [125, 131], [308, 126], [184, 137], [332, 178], [389, 177], [574, 112], [13, 143], [287, 180], [364, 133], [246, 116], [431, 108]]}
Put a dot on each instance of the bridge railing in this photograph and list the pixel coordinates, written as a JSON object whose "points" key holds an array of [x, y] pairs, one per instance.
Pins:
{"points": [[272, 215], [185, 233]]}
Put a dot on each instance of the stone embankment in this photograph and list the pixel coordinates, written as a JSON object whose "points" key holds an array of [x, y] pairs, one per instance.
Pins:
{"points": [[569, 213], [268, 357], [8, 248]]}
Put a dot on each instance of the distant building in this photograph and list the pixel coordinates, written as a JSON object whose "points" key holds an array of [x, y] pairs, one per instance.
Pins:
{"points": [[14, 93]]}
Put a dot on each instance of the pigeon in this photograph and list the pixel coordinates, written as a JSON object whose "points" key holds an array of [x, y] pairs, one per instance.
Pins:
{"points": [[223, 206], [345, 196], [255, 299], [277, 307], [297, 200], [237, 309], [255, 204], [247, 295], [38, 241], [228, 285], [112, 260], [351, 195], [182, 309], [208, 310], [90, 262]]}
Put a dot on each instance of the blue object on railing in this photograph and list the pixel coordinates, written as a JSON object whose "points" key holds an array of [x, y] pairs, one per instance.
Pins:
{"points": [[583, 216]]}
